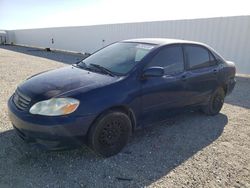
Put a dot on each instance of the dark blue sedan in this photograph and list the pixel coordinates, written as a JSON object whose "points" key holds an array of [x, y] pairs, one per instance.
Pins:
{"points": [[120, 88]]}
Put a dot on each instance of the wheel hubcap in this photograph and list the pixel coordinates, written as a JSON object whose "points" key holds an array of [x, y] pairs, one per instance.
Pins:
{"points": [[111, 133]]}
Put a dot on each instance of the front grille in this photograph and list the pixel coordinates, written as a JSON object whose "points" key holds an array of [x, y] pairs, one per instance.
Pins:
{"points": [[21, 101]]}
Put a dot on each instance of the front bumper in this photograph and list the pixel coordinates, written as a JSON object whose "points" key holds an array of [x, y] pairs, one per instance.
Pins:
{"points": [[50, 132]]}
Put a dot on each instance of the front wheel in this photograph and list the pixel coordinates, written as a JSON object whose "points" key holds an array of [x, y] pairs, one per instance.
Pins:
{"points": [[215, 102], [110, 133]]}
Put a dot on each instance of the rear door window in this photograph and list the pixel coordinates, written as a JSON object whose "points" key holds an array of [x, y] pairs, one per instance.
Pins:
{"points": [[198, 57]]}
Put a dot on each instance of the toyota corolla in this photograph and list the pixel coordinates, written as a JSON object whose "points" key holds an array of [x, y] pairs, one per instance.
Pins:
{"points": [[125, 86]]}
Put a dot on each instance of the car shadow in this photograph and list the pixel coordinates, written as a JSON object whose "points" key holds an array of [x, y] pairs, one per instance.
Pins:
{"points": [[240, 95], [59, 56], [150, 155]]}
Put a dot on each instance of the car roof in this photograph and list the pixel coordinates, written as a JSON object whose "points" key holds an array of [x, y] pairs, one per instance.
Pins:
{"points": [[162, 41]]}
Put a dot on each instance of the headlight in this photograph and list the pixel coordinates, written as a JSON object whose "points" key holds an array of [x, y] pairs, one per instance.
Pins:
{"points": [[55, 107]]}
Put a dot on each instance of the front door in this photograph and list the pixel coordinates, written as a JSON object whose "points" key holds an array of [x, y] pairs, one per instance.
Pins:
{"points": [[161, 93]]}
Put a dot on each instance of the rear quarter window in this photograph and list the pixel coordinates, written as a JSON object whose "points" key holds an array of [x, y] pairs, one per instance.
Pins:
{"points": [[218, 58]]}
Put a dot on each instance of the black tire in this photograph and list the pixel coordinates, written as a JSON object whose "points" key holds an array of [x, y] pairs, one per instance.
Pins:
{"points": [[215, 103], [110, 133]]}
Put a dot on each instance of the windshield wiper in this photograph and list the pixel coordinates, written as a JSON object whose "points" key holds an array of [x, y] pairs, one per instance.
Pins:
{"points": [[82, 65], [103, 69]]}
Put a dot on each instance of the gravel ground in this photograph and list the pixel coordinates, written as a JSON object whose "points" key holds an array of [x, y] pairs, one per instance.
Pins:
{"points": [[190, 150]]}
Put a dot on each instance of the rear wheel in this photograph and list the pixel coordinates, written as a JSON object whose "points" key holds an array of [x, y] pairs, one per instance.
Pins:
{"points": [[110, 133], [215, 103]]}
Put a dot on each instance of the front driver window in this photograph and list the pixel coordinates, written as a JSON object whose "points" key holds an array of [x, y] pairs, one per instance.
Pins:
{"points": [[170, 58]]}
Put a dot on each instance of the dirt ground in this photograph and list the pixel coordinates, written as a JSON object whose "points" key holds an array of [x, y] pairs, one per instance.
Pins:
{"points": [[189, 150]]}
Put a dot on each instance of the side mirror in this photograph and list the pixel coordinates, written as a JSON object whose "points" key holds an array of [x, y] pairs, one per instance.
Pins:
{"points": [[153, 72]]}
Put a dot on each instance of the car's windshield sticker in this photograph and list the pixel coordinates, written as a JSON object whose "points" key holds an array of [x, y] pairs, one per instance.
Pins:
{"points": [[144, 46]]}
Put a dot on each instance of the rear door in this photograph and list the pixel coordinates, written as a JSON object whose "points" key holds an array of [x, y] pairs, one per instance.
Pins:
{"points": [[202, 73]]}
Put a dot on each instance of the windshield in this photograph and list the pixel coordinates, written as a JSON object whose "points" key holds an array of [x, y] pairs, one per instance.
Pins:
{"points": [[118, 58]]}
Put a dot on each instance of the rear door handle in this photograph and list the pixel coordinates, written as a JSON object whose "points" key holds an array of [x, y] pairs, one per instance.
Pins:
{"points": [[184, 77], [215, 71]]}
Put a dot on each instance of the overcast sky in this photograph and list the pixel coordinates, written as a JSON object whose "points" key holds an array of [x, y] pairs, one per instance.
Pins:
{"points": [[24, 14]]}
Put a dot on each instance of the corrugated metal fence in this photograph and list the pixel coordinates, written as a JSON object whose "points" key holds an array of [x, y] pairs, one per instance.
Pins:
{"points": [[230, 36]]}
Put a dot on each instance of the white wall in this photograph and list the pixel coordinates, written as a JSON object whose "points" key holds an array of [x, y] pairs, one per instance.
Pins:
{"points": [[230, 36]]}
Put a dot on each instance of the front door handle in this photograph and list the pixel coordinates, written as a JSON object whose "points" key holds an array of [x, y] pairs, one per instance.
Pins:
{"points": [[215, 71]]}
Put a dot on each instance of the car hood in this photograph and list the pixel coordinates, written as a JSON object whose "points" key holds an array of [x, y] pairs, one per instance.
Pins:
{"points": [[63, 80]]}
